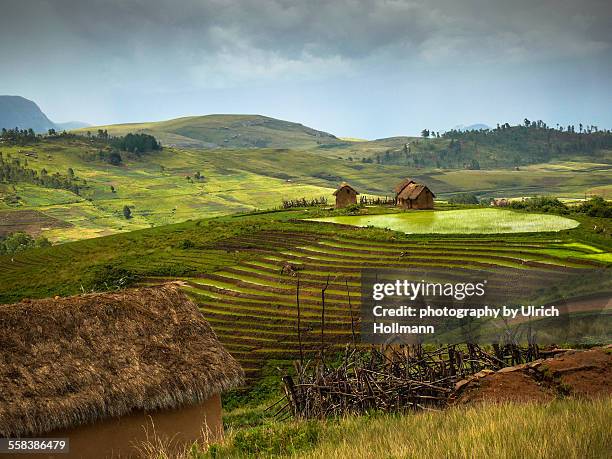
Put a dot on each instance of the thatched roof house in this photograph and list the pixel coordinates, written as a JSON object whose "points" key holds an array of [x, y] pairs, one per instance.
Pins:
{"points": [[345, 195], [414, 195], [97, 367], [397, 189]]}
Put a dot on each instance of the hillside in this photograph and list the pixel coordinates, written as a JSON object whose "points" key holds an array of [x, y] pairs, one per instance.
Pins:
{"points": [[463, 148], [176, 184], [16, 111], [226, 131]]}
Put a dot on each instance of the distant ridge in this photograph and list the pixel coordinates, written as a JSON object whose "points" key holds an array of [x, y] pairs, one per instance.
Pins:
{"points": [[70, 125], [471, 127], [22, 113], [17, 111]]}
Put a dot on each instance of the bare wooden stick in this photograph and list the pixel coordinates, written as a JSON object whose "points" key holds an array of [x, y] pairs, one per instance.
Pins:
{"points": [[323, 317], [348, 295], [299, 328]]}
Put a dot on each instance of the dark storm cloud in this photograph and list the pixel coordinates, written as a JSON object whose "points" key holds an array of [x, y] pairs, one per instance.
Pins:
{"points": [[351, 29], [162, 46]]}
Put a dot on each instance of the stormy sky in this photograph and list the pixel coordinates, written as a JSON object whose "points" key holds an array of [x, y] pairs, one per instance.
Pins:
{"points": [[357, 68]]}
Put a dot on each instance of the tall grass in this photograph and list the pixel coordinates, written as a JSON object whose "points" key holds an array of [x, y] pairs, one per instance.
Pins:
{"points": [[565, 429]]}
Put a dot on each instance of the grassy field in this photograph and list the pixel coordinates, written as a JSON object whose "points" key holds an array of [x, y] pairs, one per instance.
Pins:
{"points": [[572, 429], [467, 221], [231, 266], [158, 192]]}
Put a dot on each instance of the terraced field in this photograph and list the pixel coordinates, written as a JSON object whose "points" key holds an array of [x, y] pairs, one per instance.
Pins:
{"points": [[252, 304]]}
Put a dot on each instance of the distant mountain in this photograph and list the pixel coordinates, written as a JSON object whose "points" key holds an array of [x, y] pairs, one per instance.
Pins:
{"points": [[471, 127], [16, 111], [70, 125], [227, 131]]}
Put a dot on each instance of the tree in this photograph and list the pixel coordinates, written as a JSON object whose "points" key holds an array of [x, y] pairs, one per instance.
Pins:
{"points": [[425, 133], [127, 212]]}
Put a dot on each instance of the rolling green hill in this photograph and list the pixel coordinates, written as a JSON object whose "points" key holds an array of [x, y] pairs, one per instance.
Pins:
{"points": [[227, 131], [176, 184]]}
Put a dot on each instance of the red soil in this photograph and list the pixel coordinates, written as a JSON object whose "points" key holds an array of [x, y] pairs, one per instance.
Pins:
{"points": [[574, 373]]}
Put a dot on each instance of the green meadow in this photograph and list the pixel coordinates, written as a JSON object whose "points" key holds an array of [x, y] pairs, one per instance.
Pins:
{"points": [[161, 188]]}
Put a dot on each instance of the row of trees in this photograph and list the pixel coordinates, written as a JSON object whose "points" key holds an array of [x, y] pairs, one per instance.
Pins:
{"points": [[505, 145], [13, 171]]}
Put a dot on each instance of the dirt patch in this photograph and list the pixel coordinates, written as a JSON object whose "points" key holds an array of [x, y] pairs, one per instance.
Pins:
{"points": [[573, 373], [32, 222], [585, 374], [516, 386]]}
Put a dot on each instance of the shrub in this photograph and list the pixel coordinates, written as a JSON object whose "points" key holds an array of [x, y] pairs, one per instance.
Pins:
{"points": [[596, 207], [19, 241], [464, 198], [540, 204], [186, 244], [353, 209]]}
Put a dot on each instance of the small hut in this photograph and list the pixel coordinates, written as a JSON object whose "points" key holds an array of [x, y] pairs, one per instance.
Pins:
{"points": [[106, 370], [412, 195], [345, 195], [401, 185]]}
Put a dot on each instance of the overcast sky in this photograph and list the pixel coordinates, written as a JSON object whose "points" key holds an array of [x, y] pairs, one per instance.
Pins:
{"points": [[366, 69]]}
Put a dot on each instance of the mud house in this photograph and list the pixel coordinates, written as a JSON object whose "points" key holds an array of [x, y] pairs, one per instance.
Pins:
{"points": [[106, 370], [345, 195], [412, 195]]}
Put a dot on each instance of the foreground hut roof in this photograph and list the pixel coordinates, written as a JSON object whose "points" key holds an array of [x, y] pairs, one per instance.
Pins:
{"points": [[345, 185], [70, 361], [401, 185], [413, 190]]}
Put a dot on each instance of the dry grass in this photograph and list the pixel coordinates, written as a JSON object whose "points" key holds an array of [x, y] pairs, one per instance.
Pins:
{"points": [[569, 429]]}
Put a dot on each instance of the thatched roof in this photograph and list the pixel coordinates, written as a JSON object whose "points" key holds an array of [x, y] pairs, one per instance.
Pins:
{"points": [[345, 185], [70, 361], [413, 190], [401, 185]]}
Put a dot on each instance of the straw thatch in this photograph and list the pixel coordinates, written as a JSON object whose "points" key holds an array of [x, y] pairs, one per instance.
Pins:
{"points": [[413, 190], [401, 185], [345, 185], [70, 361]]}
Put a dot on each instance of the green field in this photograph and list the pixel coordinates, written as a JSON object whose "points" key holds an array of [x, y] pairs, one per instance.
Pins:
{"points": [[231, 266], [466, 221], [239, 180]]}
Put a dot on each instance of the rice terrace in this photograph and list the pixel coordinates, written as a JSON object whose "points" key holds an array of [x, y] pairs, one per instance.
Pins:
{"points": [[487, 221]]}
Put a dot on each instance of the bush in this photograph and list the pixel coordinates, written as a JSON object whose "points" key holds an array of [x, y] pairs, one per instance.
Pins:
{"points": [[19, 241], [596, 207], [186, 244], [353, 209], [464, 198], [540, 204]]}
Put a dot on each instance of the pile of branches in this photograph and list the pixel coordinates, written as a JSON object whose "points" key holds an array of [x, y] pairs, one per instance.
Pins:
{"points": [[303, 202], [389, 379]]}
